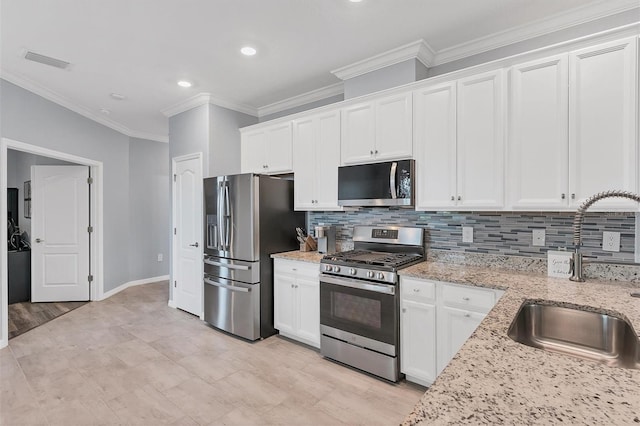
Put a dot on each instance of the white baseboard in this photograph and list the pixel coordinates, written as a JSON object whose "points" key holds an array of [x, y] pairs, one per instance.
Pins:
{"points": [[172, 304], [133, 283], [3, 343]]}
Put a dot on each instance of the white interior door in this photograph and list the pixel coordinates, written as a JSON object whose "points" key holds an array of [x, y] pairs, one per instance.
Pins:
{"points": [[187, 279], [59, 233]]}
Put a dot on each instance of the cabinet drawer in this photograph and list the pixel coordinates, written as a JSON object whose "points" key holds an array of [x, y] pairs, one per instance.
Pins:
{"points": [[476, 299], [418, 290], [295, 267]]}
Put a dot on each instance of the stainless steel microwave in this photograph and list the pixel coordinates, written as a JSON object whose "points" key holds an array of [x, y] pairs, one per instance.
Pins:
{"points": [[377, 184]]}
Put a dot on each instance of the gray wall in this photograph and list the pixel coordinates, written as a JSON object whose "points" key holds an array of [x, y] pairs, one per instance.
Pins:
{"points": [[224, 146], [609, 22], [189, 133], [149, 209], [385, 78], [305, 107], [29, 118], [19, 171]]}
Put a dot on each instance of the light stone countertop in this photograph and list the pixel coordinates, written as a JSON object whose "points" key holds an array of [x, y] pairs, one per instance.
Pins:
{"points": [[495, 380], [302, 256]]}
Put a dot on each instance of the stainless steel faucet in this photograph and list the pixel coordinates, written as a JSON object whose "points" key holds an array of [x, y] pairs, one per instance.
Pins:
{"points": [[576, 258]]}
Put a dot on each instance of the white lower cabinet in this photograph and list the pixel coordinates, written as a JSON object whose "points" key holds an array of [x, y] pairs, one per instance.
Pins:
{"points": [[436, 319], [296, 300]]}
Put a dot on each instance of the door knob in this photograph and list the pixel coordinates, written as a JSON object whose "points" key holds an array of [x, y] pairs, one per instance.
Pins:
{"points": [[193, 245], [38, 240]]}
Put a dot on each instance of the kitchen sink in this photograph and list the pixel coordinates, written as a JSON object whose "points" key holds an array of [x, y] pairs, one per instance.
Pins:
{"points": [[578, 332]]}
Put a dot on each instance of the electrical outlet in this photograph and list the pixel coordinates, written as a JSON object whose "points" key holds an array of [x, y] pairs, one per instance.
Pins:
{"points": [[611, 241], [160, 257], [467, 234], [538, 237]]}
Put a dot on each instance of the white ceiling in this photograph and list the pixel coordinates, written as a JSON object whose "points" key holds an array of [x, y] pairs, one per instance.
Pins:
{"points": [[140, 48]]}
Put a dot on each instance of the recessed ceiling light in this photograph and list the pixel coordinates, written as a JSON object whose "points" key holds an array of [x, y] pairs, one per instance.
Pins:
{"points": [[355, 1], [248, 51], [184, 83], [117, 96]]}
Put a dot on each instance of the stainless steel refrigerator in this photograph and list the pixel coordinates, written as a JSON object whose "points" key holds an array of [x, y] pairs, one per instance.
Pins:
{"points": [[248, 218]]}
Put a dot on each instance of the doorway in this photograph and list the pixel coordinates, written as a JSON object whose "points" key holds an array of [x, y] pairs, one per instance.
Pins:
{"points": [[95, 207]]}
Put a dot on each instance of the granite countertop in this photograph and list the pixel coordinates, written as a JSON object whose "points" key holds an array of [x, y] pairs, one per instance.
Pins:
{"points": [[302, 256], [493, 379]]}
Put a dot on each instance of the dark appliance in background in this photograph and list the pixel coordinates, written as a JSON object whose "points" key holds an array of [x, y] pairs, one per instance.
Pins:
{"points": [[12, 206], [378, 184], [248, 217], [359, 298]]}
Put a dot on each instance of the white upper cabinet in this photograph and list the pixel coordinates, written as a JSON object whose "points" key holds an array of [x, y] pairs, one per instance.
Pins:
{"points": [[379, 130], [603, 117], [538, 145], [268, 150], [435, 146], [480, 144], [316, 150]]}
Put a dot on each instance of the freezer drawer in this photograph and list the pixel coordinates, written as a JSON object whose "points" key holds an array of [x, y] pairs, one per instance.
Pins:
{"points": [[233, 270], [232, 306]]}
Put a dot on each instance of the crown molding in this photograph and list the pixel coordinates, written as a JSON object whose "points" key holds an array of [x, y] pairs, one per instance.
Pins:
{"points": [[203, 99], [56, 98], [557, 22], [418, 49], [302, 99]]}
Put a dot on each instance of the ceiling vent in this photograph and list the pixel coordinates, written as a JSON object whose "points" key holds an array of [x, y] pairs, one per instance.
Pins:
{"points": [[46, 60]]}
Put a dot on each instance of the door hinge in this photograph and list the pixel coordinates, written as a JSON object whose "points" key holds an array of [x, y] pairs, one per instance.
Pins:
{"points": [[175, 177], [90, 229], [175, 283], [174, 231], [89, 180], [90, 278]]}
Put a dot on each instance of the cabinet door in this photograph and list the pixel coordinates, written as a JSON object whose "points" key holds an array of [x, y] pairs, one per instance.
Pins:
{"points": [[418, 341], [308, 309], [393, 118], [327, 160], [283, 303], [454, 328], [538, 144], [603, 117], [278, 149], [358, 134], [480, 142], [252, 152], [304, 163], [435, 145]]}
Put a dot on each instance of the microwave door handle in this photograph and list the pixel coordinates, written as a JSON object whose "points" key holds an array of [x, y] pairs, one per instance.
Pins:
{"points": [[392, 180]]}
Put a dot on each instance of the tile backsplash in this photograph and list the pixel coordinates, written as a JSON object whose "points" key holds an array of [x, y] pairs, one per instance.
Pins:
{"points": [[502, 233]]}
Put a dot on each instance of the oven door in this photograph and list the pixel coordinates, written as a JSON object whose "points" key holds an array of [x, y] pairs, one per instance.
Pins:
{"points": [[359, 307]]}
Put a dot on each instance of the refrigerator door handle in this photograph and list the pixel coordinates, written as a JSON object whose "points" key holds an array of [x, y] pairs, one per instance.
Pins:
{"points": [[228, 287], [227, 211], [227, 265], [220, 226]]}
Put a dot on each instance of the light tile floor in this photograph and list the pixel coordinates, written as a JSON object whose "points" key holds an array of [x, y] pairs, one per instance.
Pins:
{"points": [[133, 360]]}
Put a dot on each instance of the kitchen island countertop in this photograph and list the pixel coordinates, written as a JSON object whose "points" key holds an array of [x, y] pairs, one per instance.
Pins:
{"points": [[493, 379]]}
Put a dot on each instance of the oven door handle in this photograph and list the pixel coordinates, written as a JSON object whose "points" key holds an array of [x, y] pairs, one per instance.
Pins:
{"points": [[359, 284]]}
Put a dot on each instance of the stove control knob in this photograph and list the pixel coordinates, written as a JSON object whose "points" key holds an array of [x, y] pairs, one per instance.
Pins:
{"points": [[380, 276], [352, 271], [370, 274], [328, 268], [336, 269]]}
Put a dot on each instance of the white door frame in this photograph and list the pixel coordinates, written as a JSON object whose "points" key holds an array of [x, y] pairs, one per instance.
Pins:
{"points": [[174, 242], [97, 256]]}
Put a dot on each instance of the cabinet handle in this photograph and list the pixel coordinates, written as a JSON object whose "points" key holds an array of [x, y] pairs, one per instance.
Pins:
{"points": [[291, 285], [466, 299], [459, 197], [453, 198], [562, 196], [417, 290], [293, 269], [371, 152], [376, 151], [467, 315], [573, 196]]}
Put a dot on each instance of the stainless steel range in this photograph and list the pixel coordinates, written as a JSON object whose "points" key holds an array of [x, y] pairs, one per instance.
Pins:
{"points": [[359, 300]]}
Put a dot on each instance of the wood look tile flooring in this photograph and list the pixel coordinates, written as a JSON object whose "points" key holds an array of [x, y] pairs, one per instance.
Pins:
{"points": [[131, 359], [26, 315]]}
